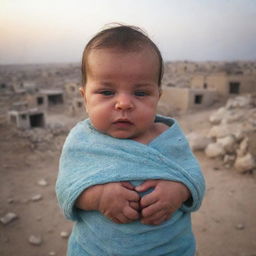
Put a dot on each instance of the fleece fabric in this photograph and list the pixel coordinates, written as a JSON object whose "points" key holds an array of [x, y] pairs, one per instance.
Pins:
{"points": [[89, 157]]}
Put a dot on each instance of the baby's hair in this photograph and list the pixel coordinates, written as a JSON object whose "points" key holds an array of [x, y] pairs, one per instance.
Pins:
{"points": [[124, 37]]}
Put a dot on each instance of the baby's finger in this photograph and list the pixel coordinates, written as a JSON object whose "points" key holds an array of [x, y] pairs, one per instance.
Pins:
{"points": [[127, 185], [131, 195], [135, 205], [123, 219], [148, 199], [130, 213], [152, 210], [159, 216]]}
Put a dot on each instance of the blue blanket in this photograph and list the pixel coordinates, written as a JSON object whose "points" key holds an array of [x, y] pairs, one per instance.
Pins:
{"points": [[89, 158]]}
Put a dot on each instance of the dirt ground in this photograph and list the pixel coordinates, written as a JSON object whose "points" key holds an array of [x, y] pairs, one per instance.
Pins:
{"points": [[224, 226]]}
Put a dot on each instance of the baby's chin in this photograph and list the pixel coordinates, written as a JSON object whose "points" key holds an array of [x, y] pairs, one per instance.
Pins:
{"points": [[121, 137]]}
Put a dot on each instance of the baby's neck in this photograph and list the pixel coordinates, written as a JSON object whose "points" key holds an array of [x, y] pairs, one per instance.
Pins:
{"points": [[157, 129]]}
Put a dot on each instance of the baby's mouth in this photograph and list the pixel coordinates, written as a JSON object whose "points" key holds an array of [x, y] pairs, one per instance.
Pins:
{"points": [[123, 123]]}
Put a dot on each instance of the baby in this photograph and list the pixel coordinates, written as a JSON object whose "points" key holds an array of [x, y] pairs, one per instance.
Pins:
{"points": [[127, 176]]}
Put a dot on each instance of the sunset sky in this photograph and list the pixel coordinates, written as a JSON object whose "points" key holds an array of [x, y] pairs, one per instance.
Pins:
{"points": [[41, 31]]}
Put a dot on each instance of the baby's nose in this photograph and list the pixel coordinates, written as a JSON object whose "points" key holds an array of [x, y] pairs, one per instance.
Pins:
{"points": [[124, 102]]}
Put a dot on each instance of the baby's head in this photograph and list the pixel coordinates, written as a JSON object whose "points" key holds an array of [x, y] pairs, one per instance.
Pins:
{"points": [[122, 37], [122, 71]]}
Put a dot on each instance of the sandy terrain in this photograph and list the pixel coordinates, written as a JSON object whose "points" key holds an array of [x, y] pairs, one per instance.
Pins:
{"points": [[224, 226]]}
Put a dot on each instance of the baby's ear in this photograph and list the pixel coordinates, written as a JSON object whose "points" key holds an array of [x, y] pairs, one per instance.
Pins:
{"points": [[82, 91]]}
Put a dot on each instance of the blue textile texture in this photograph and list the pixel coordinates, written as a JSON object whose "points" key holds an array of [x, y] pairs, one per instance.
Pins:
{"points": [[89, 157]]}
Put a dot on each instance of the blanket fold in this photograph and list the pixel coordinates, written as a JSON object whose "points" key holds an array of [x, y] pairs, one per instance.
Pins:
{"points": [[89, 158]]}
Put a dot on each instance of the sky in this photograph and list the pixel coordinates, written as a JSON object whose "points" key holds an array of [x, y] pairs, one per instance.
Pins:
{"points": [[52, 31]]}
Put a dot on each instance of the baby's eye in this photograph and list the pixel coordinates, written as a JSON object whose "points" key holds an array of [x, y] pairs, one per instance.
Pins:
{"points": [[140, 93], [106, 92]]}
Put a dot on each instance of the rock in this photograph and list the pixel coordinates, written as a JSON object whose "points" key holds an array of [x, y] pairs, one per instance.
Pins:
{"points": [[64, 234], [10, 201], [239, 135], [243, 147], [214, 150], [216, 117], [240, 226], [42, 182], [52, 253], [37, 197], [228, 143], [239, 102], [198, 142], [9, 217], [219, 131], [229, 159], [233, 117], [245, 163], [35, 240]]}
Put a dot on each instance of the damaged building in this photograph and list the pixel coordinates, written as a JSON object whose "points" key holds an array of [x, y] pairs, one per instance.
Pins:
{"points": [[27, 118], [50, 98], [72, 90], [185, 99], [225, 84]]}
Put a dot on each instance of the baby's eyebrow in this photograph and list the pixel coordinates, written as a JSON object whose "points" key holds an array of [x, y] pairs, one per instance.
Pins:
{"points": [[143, 85], [106, 84]]}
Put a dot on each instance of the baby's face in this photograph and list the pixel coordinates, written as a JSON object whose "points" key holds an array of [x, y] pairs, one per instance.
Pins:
{"points": [[122, 92]]}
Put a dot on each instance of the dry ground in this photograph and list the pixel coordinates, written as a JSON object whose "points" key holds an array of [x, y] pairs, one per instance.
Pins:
{"points": [[224, 226]]}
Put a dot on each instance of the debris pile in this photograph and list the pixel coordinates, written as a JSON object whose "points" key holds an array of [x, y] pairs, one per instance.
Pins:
{"points": [[43, 139], [232, 137]]}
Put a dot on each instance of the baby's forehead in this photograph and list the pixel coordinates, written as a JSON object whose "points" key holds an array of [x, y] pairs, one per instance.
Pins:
{"points": [[125, 50], [109, 55]]}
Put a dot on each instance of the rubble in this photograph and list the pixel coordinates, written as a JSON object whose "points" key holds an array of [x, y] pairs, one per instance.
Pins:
{"points": [[240, 226], [42, 182], [232, 137], [245, 163], [64, 234], [36, 197], [8, 218], [213, 150], [35, 240]]}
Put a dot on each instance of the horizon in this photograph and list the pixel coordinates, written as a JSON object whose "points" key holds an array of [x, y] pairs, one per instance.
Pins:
{"points": [[165, 61], [41, 32]]}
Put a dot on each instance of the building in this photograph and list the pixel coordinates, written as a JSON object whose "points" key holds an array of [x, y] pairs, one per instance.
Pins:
{"points": [[37, 100], [72, 90], [27, 119], [225, 84], [186, 99], [50, 98], [76, 106], [18, 88]]}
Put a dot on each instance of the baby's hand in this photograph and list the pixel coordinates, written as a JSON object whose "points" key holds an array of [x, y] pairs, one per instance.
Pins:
{"points": [[118, 201], [162, 202]]}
